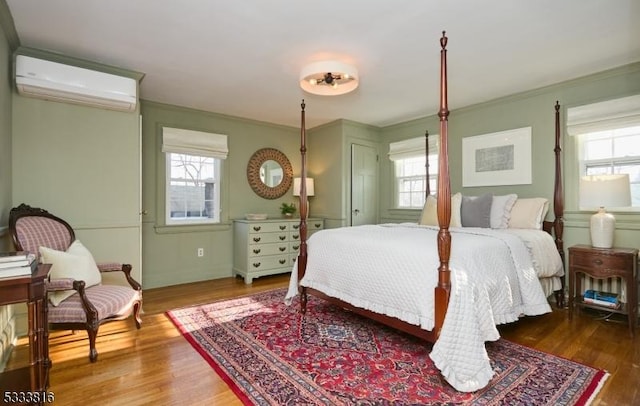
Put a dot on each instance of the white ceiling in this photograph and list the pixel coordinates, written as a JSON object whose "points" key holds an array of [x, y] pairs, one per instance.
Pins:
{"points": [[243, 57]]}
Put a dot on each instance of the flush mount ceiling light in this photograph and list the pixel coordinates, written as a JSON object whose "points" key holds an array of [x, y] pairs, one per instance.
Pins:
{"points": [[329, 78]]}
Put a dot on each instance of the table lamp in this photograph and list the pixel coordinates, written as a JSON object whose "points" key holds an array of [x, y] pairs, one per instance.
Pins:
{"points": [[604, 191], [310, 189]]}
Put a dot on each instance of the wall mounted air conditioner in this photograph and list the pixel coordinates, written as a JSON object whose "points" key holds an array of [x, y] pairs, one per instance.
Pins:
{"points": [[56, 81]]}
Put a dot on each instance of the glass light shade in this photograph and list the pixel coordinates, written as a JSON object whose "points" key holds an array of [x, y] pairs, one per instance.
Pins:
{"points": [[604, 191], [296, 187], [315, 72]]}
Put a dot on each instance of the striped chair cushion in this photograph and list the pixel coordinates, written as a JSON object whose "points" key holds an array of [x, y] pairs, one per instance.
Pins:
{"points": [[34, 232], [109, 300]]}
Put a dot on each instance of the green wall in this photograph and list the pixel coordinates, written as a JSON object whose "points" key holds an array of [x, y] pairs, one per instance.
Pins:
{"points": [[7, 313], [536, 109], [169, 253], [7, 44]]}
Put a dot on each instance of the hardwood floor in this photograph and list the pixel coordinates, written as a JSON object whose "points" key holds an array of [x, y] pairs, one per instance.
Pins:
{"points": [[155, 365]]}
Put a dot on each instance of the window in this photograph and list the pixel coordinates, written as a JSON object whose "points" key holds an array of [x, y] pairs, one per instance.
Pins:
{"points": [[193, 176], [409, 161], [193, 189], [613, 152], [608, 139]]}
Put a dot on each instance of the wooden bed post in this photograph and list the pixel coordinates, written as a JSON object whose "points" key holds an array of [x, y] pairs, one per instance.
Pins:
{"points": [[558, 203], [442, 291], [427, 189], [302, 253]]}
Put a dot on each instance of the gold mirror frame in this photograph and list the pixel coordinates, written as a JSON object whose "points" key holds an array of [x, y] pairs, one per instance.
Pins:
{"points": [[253, 173]]}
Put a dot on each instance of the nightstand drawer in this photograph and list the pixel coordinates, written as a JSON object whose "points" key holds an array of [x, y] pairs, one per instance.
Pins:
{"points": [[602, 263]]}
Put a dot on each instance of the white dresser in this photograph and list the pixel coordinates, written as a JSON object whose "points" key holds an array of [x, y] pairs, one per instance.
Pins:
{"points": [[267, 247]]}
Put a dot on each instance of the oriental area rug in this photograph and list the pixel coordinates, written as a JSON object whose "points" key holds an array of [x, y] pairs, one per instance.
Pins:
{"points": [[270, 354]]}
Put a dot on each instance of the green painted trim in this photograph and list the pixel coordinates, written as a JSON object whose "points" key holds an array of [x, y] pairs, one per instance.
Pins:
{"points": [[617, 71], [175, 108], [581, 219], [106, 226], [194, 228]]}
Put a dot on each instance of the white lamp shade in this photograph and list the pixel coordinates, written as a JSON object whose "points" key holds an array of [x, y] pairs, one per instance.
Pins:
{"points": [[604, 191], [296, 187]]}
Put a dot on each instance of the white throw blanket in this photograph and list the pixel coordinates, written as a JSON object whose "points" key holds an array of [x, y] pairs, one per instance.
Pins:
{"points": [[392, 269]]}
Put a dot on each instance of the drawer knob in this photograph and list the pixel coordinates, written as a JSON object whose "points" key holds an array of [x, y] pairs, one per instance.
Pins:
{"points": [[296, 226], [318, 225], [256, 239], [256, 251], [283, 237], [282, 249], [256, 264], [295, 247], [282, 261], [257, 228], [283, 227], [295, 236]]}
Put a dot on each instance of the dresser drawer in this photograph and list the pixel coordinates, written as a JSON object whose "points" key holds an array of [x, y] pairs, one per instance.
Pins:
{"points": [[268, 238], [258, 250], [601, 263], [270, 262], [312, 225], [294, 247], [269, 227]]}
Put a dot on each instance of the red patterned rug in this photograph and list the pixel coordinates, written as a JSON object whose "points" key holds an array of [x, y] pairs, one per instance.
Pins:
{"points": [[270, 355]]}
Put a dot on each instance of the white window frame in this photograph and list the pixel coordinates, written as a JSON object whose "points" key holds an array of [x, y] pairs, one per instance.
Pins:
{"points": [[216, 165], [610, 164], [608, 121], [206, 149], [411, 152]]}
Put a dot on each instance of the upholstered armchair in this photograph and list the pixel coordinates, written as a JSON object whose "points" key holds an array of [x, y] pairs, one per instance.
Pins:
{"points": [[77, 298]]}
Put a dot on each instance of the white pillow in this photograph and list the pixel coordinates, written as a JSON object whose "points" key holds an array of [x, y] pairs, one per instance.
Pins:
{"points": [[429, 216], [501, 210], [529, 213], [76, 263]]}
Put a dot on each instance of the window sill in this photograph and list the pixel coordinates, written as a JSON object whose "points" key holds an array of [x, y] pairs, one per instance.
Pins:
{"points": [[192, 228]]}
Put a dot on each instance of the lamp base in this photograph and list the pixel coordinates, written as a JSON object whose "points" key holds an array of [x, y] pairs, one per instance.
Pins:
{"points": [[602, 227]]}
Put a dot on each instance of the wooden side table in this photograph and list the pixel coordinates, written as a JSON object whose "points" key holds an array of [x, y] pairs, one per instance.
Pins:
{"points": [[603, 263], [32, 290]]}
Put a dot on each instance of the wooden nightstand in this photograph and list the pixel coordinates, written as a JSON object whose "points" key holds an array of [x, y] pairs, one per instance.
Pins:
{"points": [[602, 263]]}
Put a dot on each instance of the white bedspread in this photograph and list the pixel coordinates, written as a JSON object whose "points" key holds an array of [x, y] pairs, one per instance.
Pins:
{"points": [[386, 269]]}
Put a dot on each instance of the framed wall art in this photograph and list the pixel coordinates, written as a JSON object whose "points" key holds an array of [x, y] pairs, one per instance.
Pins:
{"points": [[500, 158]]}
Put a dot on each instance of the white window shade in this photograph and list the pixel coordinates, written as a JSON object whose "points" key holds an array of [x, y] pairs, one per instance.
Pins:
{"points": [[604, 116], [412, 147], [199, 143]]}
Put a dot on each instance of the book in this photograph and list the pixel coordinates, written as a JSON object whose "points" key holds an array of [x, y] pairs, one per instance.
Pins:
{"points": [[13, 256], [18, 270], [602, 303], [606, 299], [27, 260], [601, 296]]}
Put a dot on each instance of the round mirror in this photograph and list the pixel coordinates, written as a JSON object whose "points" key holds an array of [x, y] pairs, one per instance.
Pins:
{"points": [[269, 173]]}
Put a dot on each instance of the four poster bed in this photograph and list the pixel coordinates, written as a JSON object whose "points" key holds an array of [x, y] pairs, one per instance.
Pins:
{"points": [[486, 277]]}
